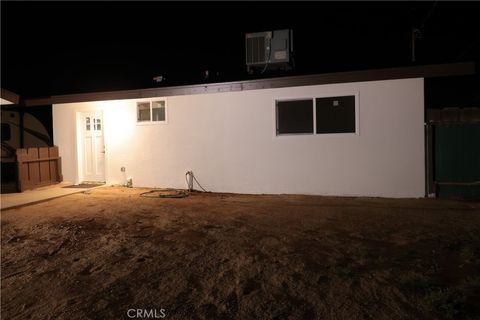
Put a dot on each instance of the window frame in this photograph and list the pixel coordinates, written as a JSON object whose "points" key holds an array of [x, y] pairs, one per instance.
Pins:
{"points": [[151, 121], [356, 94], [298, 133]]}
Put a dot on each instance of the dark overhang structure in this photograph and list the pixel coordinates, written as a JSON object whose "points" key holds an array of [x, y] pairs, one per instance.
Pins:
{"points": [[427, 71], [9, 98]]}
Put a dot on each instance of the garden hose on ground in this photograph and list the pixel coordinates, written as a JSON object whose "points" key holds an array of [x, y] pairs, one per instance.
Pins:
{"points": [[175, 193], [166, 193], [190, 183]]}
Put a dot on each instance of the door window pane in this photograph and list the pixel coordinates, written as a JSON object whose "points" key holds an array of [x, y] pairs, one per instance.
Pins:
{"points": [[98, 125]]}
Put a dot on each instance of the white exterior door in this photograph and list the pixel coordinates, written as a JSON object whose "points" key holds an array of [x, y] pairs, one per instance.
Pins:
{"points": [[93, 147]]}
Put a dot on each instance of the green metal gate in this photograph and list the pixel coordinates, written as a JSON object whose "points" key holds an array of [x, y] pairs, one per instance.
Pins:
{"points": [[457, 159]]}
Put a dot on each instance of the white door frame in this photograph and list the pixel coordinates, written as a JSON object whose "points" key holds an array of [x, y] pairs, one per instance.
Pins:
{"points": [[80, 130]]}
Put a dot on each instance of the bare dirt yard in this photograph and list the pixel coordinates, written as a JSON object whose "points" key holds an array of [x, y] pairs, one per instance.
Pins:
{"points": [[99, 254]]}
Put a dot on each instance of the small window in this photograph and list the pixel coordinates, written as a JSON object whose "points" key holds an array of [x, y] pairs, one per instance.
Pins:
{"points": [[151, 111], [143, 111], [335, 114], [294, 116], [158, 110]]}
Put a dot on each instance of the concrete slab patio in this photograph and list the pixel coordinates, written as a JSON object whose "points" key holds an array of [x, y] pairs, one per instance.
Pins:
{"points": [[18, 199]]}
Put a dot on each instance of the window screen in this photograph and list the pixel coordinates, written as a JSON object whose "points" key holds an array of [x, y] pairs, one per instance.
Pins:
{"points": [[158, 110], [335, 114], [143, 111], [295, 116]]}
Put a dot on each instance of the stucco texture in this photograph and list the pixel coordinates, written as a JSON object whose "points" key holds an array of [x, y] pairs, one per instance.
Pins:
{"points": [[229, 141]]}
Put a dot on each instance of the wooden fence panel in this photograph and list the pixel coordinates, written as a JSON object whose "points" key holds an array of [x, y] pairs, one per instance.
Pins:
{"points": [[22, 167], [38, 167], [33, 167], [53, 153], [44, 165]]}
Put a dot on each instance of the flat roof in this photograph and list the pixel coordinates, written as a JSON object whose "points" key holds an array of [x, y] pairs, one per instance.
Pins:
{"points": [[426, 71]]}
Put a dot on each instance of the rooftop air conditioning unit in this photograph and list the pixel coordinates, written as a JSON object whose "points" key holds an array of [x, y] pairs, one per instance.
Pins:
{"points": [[269, 50]]}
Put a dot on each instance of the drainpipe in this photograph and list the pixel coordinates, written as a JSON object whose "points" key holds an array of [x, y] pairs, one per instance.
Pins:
{"points": [[416, 34]]}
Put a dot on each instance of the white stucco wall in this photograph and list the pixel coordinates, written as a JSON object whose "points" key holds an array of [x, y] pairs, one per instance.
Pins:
{"points": [[228, 140]]}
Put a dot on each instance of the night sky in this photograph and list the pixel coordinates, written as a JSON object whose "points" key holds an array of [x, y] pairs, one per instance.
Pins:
{"points": [[51, 48]]}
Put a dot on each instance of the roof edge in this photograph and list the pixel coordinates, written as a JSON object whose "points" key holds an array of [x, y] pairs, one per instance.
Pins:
{"points": [[425, 71], [10, 96]]}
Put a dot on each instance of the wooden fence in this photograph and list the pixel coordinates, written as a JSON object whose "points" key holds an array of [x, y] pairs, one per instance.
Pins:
{"points": [[37, 167]]}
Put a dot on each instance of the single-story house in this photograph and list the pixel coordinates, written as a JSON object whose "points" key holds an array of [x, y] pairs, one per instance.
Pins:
{"points": [[358, 133]]}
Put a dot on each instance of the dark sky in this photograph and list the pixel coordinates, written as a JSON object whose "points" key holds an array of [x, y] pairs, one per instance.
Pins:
{"points": [[61, 47]]}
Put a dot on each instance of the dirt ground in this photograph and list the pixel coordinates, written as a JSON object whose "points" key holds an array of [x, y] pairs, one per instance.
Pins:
{"points": [[98, 254]]}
